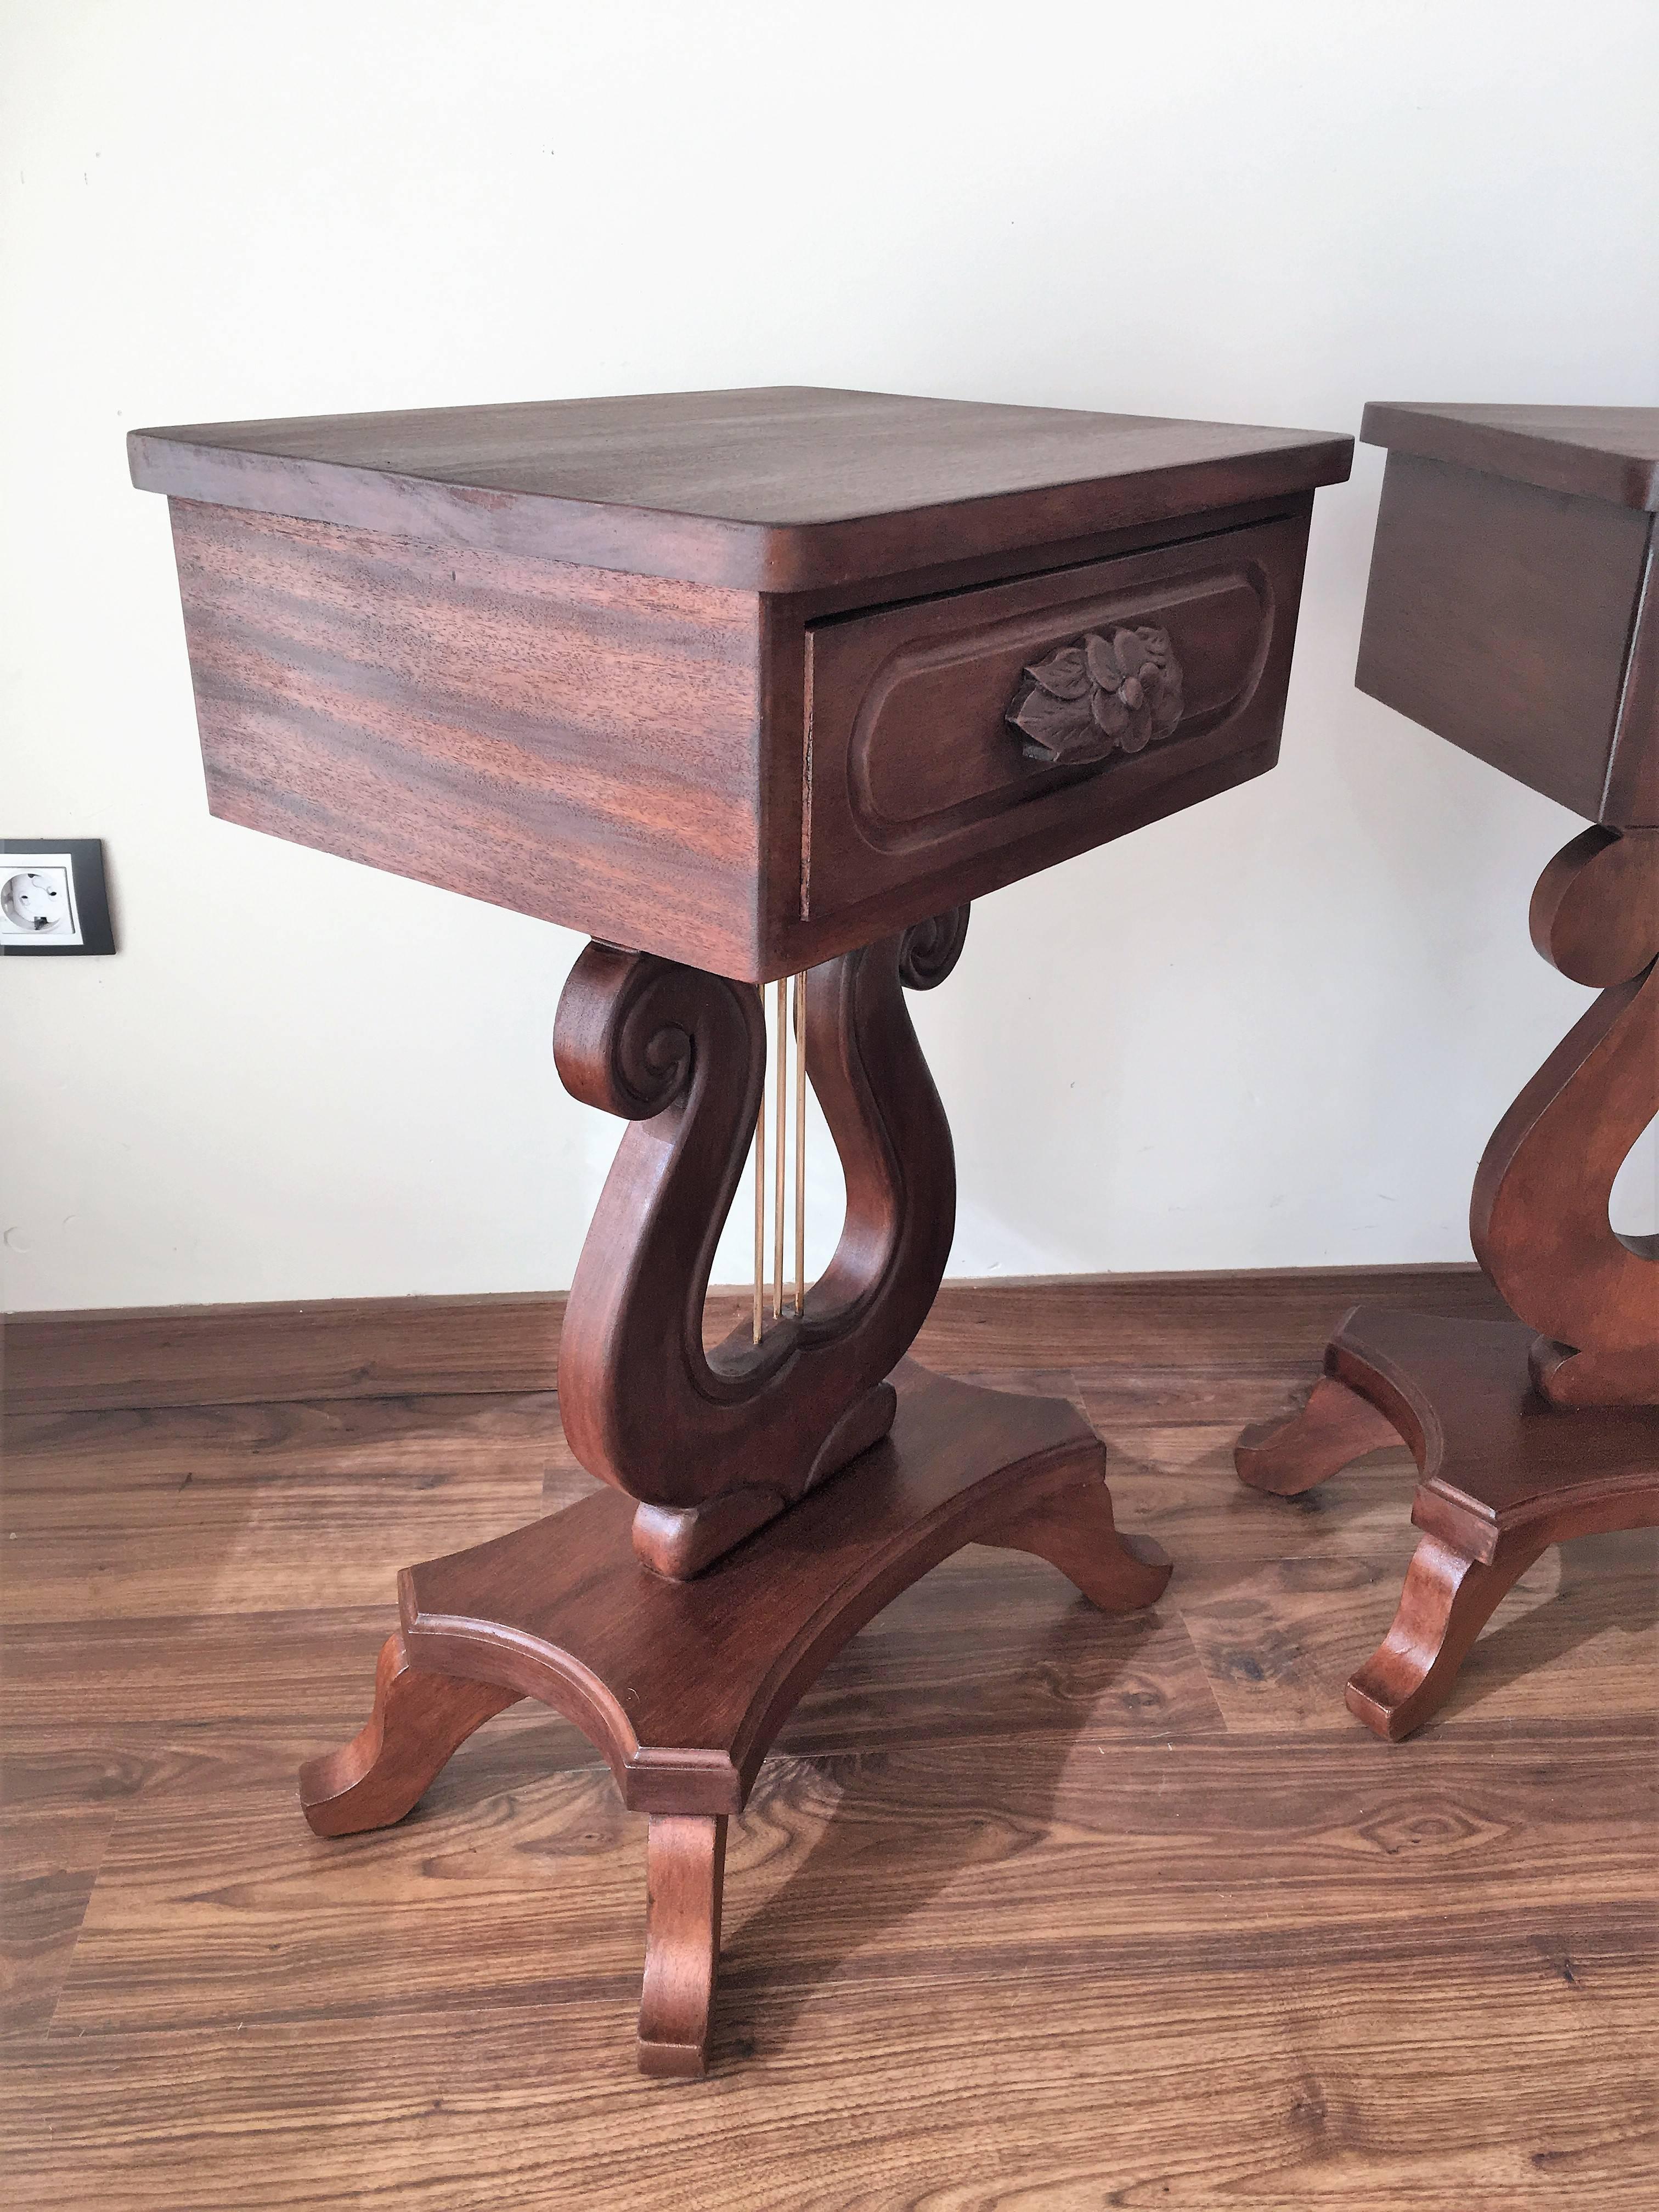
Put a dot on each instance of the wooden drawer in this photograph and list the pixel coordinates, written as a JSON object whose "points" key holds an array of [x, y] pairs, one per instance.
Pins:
{"points": [[915, 773]]}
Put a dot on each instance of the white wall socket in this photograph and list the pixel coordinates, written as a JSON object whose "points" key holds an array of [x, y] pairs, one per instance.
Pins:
{"points": [[37, 899]]}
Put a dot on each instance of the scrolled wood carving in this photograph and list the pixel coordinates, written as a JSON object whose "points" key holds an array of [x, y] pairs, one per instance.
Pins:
{"points": [[1539, 1219], [1098, 695], [714, 1443]]}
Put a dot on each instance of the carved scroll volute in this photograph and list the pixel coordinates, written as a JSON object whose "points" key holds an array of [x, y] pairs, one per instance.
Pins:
{"points": [[1539, 1220], [714, 1443]]}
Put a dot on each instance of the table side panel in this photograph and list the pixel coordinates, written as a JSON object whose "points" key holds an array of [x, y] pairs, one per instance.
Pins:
{"points": [[1498, 615], [1632, 799], [915, 777], [578, 744]]}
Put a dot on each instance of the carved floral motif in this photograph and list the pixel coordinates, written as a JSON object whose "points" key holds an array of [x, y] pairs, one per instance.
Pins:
{"points": [[1099, 695]]}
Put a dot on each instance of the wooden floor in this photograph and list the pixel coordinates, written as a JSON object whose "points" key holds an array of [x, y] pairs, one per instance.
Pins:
{"points": [[1031, 1908]]}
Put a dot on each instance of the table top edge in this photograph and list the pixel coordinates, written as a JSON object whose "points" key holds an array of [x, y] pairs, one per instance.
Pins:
{"points": [[1480, 438]]}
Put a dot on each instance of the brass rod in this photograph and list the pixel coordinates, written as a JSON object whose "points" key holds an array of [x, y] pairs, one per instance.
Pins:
{"points": [[801, 1144], [760, 1196], [779, 1168]]}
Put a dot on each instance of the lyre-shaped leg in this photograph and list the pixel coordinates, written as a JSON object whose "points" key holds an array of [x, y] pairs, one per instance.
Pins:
{"points": [[1519, 1438], [1539, 1215], [685, 1875], [714, 1444], [718, 1464]]}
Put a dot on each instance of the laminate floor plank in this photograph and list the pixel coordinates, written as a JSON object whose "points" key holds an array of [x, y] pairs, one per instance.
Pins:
{"points": [[1031, 1907], [1279, 1643], [1183, 2082]]}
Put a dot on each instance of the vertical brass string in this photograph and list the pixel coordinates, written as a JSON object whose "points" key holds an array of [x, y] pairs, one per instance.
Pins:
{"points": [[760, 1195], [779, 1166], [801, 1144]]}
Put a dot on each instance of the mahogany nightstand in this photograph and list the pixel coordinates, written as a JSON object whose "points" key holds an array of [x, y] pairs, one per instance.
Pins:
{"points": [[746, 686], [1513, 608]]}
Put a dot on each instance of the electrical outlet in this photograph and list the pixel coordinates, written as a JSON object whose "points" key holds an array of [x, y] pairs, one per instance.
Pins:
{"points": [[36, 904], [53, 896]]}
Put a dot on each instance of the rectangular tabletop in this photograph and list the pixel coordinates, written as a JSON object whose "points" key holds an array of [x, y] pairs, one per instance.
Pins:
{"points": [[788, 487]]}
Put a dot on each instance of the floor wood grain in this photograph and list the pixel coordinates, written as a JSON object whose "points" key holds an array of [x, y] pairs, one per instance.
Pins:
{"points": [[1031, 1908]]}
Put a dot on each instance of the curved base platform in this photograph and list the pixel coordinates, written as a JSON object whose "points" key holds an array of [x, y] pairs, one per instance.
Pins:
{"points": [[1502, 1475], [683, 1684]]}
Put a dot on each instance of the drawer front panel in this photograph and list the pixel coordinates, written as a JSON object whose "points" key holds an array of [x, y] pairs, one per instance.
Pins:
{"points": [[1148, 668]]}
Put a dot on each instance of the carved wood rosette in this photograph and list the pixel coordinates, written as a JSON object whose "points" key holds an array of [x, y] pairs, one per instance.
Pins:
{"points": [[1099, 695], [713, 1444]]}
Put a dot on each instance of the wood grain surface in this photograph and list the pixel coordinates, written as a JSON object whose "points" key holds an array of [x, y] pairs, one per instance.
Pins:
{"points": [[712, 1446], [571, 743], [505, 1343], [914, 776], [1599, 452], [782, 488], [633, 756], [1499, 615], [1131, 1912]]}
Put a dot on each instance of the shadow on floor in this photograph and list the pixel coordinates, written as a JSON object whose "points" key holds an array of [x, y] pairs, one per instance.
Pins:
{"points": [[898, 1831]]}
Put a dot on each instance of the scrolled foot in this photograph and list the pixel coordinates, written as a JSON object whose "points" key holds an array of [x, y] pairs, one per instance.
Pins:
{"points": [[1290, 1455], [1072, 1527], [419, 1722], [685, 1874], [1447, 1600]]}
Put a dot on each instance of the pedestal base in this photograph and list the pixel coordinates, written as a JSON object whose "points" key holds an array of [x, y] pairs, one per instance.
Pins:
{"points": [[1502, 1475], [683, 1684]]}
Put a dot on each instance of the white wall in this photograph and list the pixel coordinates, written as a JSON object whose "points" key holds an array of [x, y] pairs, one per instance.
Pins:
{"points": [[1275, 1030]]}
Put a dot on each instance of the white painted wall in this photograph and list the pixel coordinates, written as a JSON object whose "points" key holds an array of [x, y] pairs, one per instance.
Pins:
{"points": [[1275, 1030]]}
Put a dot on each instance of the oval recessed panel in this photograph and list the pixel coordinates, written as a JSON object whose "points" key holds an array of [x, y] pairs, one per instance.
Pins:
{"points": [[930, 750]]}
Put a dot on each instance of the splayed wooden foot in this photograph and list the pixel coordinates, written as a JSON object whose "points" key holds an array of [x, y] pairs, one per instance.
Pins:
{"points": [[1446, 1602], [1333, 1425], [419, 1722], [1502, 1475], [685, 1874]]}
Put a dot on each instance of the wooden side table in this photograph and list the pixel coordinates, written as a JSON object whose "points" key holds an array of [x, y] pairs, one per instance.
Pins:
{"points": [[747, 686], [1513, 608]]}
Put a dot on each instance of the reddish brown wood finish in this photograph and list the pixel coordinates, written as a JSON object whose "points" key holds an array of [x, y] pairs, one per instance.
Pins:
{"points": [[684, 1876], [1501, 1474], [563, 666], [1521, 1439], [1499, 616], [419, 1722], [1608, 453], [612, 663], [683, 1686], [1510, 610], [1539, 1219], [576, 743], [788, 489], [1331, 1426], [633, 756], [914, 774], [1511, 606], [713, 1445]]}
